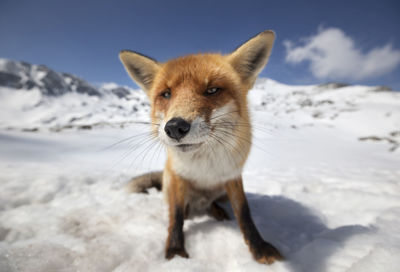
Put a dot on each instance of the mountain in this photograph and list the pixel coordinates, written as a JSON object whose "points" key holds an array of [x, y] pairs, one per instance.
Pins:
{"points": [[22, 75], [34, 97]]}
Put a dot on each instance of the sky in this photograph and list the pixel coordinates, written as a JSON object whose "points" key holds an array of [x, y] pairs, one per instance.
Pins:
{"points": [[354, 42]]}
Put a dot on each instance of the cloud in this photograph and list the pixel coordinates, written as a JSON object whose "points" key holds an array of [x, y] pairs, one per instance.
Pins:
{"points": [[333, 55]]}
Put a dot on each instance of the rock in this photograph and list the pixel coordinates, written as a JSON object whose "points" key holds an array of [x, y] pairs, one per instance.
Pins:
{"points": [[382, 89], [120, 92], [22, 75], [54, 84], [333, 85], [10, 80]]}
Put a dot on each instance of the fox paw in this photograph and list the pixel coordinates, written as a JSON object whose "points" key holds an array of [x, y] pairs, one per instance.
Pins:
{"points": [[172, 251], [267, 254]]}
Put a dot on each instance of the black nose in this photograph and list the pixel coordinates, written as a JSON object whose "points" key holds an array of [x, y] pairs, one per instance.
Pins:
{"points": [[177, 128]]}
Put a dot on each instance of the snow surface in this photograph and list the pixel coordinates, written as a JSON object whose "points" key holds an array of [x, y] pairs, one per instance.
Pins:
{"points": [[327, 199]]}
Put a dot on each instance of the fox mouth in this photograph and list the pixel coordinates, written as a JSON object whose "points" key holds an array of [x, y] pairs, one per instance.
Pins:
{"points": [[187, 147]]}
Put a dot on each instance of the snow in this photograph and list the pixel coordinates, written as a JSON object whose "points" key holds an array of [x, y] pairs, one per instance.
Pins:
{"points": [[33, 111], [329, 201]]}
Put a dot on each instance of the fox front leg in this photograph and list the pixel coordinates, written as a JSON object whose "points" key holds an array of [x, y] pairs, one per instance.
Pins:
{"points": [[176, 202], [262, 251]]}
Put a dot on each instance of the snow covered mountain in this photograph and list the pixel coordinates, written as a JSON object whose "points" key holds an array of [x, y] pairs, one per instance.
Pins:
{"points": [[322, 180], [34, 97], [22, 75]]}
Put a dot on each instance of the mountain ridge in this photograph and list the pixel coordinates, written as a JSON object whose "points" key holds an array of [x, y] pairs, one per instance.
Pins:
{"points": [[35, 98], [23, 75], [27, 76]]}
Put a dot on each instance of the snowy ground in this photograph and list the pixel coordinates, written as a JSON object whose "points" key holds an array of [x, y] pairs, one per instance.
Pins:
{"points": [[328, 200]]}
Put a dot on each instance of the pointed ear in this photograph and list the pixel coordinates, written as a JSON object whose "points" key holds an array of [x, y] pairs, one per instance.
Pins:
{"points": [[142, 69], [251, 57]]}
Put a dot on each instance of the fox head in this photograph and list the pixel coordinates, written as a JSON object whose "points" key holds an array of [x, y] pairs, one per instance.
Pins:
{"points": [[199, 100]]}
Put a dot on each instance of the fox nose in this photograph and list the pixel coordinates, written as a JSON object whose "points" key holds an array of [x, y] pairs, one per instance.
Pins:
{"points": [[177, 128]]}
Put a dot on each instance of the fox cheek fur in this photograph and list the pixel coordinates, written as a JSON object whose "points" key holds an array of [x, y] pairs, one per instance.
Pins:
{"points": [[199, 112]]}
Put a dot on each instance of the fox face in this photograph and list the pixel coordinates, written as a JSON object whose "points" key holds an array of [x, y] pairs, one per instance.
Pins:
{"points": [[190, 97], [198, 102]]}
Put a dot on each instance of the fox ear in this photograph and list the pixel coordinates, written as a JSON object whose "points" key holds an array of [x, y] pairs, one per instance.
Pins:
{"points": [[251, 57], [142, 69]]}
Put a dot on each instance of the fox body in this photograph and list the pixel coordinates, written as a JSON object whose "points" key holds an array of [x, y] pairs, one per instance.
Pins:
{"points": [[199, 112]]}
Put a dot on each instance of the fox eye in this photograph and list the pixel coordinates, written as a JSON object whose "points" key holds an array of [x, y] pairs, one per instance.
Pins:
{"points": [[166, 94], [212, 91]]}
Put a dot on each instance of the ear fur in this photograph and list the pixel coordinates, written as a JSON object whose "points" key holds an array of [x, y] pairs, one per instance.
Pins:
{"points": [[141, 68], [251, 57]]}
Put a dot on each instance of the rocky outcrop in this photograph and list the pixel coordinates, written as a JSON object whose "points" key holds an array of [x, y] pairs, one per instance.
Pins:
{"points": [[22, 75]]}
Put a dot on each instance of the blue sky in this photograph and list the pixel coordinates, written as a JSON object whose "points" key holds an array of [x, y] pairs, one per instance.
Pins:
{"points": [[317, 41]]}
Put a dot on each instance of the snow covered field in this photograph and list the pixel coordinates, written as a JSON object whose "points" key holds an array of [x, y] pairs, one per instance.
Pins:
{"points": [[323, 183]]}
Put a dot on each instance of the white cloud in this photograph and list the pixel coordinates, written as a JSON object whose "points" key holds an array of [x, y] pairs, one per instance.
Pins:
{"points": [[333, 55]]}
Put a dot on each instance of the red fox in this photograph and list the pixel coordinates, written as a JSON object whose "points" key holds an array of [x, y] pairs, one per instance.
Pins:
{"points": [[199, 112]]}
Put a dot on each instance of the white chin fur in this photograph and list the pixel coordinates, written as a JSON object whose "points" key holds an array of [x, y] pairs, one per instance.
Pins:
{"points": [[187, 147], [213, 162]]}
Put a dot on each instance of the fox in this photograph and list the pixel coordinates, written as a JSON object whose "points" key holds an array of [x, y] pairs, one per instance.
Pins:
{"points": [[199, 113]]}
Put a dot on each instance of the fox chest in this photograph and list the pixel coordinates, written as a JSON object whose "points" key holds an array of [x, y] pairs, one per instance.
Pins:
{"points": [[210, 168]]}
